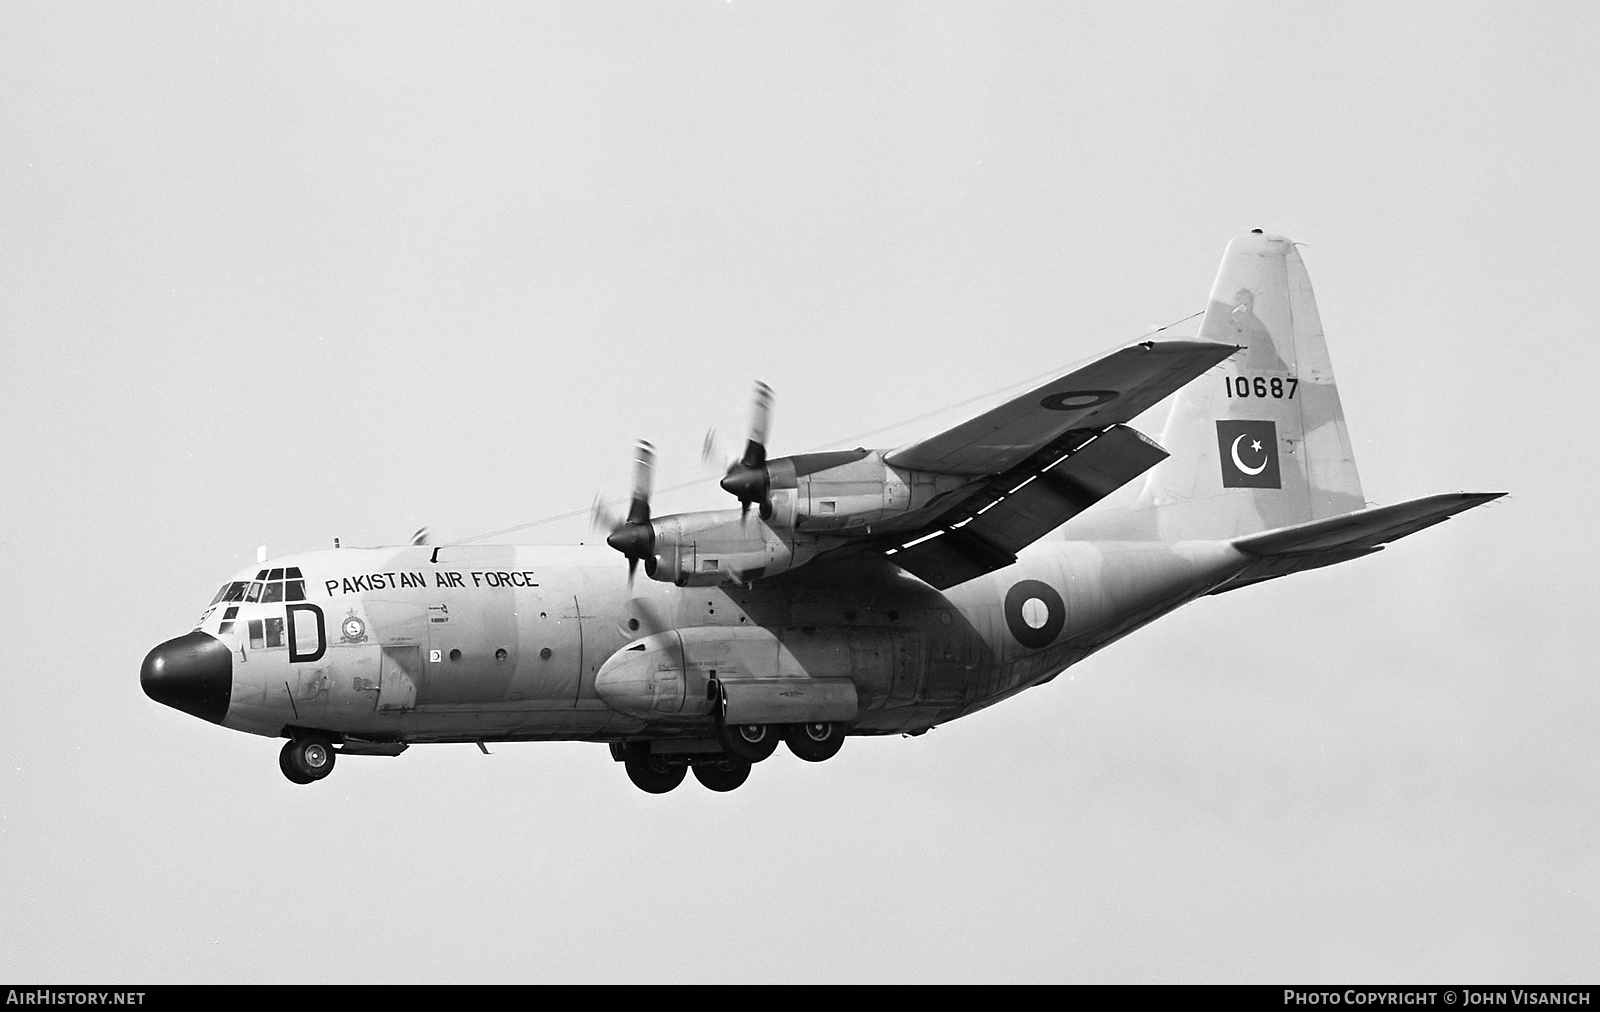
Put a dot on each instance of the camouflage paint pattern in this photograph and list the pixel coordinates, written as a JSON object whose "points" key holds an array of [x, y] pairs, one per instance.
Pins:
{"points": [[420, 644]]}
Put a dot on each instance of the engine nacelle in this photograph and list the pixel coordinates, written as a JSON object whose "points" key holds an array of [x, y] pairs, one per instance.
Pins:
{"points": [[847, 491], [718, 546], [817, 501]]}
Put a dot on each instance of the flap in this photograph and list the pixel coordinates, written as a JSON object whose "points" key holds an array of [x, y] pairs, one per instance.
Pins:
{"points": [[988, 534]]}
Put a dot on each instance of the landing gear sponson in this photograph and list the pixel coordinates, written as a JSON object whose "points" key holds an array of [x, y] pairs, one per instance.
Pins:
{"points": [[655, 767]]}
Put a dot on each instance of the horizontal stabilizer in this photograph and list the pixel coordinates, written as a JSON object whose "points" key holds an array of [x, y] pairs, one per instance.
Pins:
{"points": [[1338, 539]]}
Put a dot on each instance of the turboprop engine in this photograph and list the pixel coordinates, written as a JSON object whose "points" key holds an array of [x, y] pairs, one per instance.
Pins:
{"points": [[849, 491], [717, 546], [806, 503], [703, 548], [840, 491]]}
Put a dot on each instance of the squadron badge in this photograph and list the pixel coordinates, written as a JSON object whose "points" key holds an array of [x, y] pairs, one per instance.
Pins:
{"points": [[353, 630]]}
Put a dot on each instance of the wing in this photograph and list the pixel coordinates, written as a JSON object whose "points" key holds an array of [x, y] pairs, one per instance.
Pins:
{"points": [[1049, 454], [985, 531], [1110, 390]]}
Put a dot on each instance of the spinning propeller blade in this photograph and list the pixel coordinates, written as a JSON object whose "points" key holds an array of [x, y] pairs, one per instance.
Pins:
{"points": [[634, 536], [747, 478]]}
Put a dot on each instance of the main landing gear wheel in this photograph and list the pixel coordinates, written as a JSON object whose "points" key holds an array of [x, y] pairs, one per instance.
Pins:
{"points": [[750, 742], [652, 774], [815, 742], [306, 759], [723, 775], [287, 766]]}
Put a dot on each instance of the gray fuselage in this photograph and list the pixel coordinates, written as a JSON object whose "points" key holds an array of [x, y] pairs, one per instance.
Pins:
{"points": [[418, 644]]}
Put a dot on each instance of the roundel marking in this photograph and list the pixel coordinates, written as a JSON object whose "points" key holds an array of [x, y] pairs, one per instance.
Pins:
{"points": [[1035, 613], [1076, 400]]}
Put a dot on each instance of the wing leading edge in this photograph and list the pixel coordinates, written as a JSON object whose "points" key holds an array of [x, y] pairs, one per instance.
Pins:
{"points": [[1111, 390]]}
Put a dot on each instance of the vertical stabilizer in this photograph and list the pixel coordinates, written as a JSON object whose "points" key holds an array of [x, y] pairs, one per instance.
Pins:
{"points": [[1259, 442]]}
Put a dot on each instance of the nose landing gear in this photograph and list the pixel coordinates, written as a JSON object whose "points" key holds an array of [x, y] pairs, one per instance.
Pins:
{"points": [[307, 758]]}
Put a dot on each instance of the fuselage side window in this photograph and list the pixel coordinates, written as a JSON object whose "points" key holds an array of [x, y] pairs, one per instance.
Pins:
{"points": [[274, 632], [256, 637]]}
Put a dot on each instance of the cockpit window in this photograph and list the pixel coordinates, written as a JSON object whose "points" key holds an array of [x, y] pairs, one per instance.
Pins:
{"points": [[231, 592], [282, 585], [266, 633], [269, 587]]}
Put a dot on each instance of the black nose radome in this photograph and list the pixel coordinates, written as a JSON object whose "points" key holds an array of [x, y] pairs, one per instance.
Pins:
{"points": [[192, 673]]}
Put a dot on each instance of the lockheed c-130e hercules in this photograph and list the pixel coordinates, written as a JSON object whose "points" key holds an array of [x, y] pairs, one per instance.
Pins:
{"points": [[857, 592]]}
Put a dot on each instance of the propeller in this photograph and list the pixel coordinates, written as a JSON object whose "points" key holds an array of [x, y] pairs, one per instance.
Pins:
{"points": [[634, 536], [747, 477], [711, 449]]}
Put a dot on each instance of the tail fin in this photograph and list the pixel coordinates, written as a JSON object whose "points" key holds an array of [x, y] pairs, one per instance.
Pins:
{"points": [[1258, 443]]}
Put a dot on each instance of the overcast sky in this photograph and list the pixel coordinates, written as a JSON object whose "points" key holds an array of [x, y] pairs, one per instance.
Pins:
{"points": [[276, 273]]}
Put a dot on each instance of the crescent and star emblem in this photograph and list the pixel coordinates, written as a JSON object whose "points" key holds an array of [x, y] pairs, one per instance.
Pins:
{"points": [[1255, 445], [1257, 437]]}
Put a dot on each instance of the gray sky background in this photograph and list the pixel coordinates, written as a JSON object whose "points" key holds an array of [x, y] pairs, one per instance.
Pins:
{"points": [[275, 273]]}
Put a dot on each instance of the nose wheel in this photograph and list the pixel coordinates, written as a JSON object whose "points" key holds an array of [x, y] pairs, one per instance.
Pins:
{"points": [[307, 758]]}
